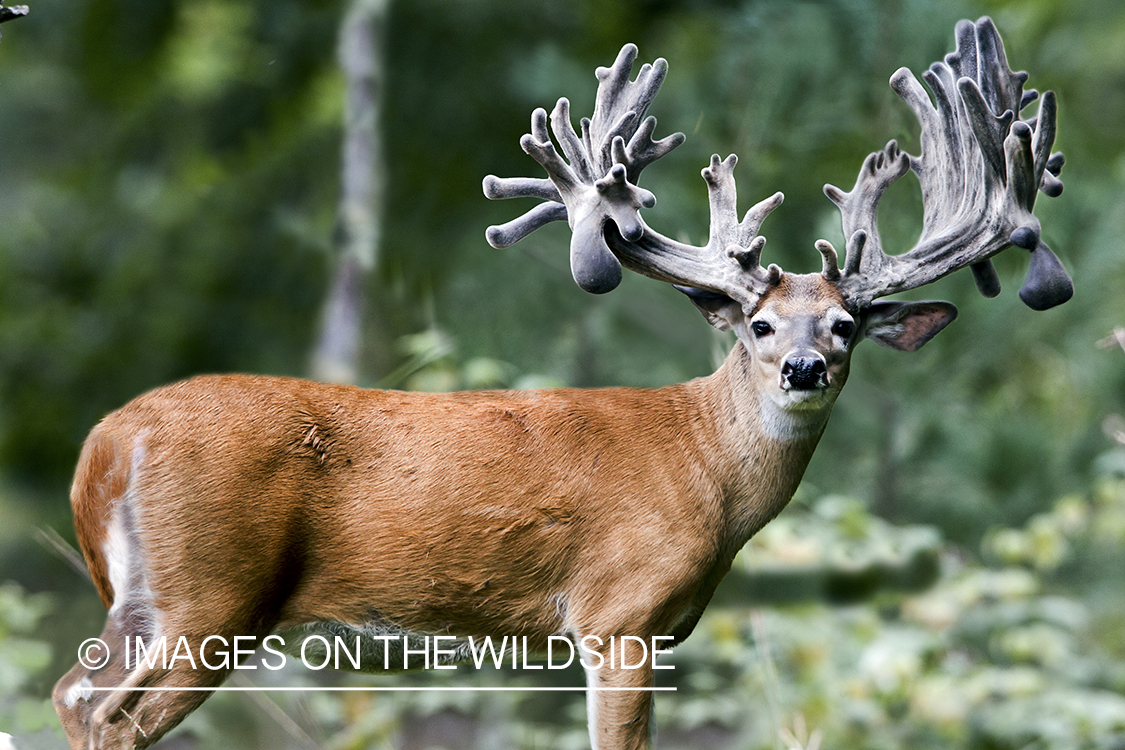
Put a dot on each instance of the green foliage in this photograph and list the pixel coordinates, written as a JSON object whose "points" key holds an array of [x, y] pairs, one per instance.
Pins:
{"points": [[23, 656], [163, 203], [834, 551]]}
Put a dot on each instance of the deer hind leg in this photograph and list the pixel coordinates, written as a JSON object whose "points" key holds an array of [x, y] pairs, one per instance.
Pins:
{"points": [[99, 712], [93, 700]]}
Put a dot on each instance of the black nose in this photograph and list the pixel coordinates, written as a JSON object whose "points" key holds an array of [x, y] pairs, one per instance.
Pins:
{"points": [[805, 373]]}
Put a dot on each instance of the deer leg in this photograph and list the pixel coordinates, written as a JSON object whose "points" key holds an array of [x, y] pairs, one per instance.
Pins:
{"points": [[100, 712], [618, 697]]}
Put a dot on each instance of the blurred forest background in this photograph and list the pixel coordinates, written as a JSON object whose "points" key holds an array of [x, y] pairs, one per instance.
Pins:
{"points": [[169, 201]]}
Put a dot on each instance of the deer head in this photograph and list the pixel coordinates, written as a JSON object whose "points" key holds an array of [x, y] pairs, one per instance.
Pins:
{"points": [[981, 167]]}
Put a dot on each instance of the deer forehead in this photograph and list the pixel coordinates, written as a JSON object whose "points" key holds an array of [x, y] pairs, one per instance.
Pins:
{"points": [[803, 295]]}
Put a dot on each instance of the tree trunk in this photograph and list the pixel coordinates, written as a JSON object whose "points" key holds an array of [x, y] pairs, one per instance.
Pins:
{"points": [[361, 54]]}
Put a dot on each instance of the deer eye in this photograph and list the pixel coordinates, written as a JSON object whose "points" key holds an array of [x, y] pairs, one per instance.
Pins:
{"points": [[843, 328], [761, 328]]}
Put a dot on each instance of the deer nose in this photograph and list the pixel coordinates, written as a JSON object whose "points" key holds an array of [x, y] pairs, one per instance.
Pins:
{"points": [[804, 373]]}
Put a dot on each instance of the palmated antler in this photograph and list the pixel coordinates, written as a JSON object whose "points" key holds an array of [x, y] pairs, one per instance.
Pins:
{"points": [[980, 169], [595, 189]]}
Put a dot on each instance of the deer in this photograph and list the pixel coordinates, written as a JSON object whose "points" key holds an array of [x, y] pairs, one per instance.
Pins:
{"points": [[244, 506]]}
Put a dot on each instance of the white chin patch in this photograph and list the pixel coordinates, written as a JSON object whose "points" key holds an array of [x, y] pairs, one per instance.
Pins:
{"points": [[801, 400], [791, 415]]}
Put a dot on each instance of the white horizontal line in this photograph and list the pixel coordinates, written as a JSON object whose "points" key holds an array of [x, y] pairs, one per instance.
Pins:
{"points": [[383, 689]]}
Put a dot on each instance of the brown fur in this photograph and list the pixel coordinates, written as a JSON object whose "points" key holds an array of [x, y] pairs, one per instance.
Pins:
{"points": [[98, 480]]}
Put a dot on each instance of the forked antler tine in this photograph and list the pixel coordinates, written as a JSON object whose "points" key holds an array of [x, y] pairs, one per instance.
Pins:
{"points": [[963, 58], [726, 229], [537, 144], [722, 197], [619, 112], [613, 80], [617, 94], [622, 199], [858, 209], [1002, 88], [642, 150], [980, 169]]}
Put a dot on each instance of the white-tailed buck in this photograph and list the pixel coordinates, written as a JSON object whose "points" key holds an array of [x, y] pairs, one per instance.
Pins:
{"points": [[242, 506]]}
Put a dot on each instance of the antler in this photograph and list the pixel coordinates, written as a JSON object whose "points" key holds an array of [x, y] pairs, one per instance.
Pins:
{"points": [[980, 169], [12, 12], [595, 189]]}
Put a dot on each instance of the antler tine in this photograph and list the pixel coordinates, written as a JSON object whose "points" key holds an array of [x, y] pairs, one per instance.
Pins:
{"points": [[980, 169], [831, 270], [595, 188], [619, 132], [709, 267]]}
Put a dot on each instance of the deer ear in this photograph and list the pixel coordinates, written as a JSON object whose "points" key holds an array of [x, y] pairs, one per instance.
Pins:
{"points": [[906, 326], [719, 309]]}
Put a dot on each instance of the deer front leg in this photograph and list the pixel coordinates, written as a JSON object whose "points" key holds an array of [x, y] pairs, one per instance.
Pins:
{"points": [[619, 696]]}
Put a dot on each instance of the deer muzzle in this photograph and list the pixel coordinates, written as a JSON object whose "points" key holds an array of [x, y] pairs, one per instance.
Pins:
{"points": [[804, 372]]}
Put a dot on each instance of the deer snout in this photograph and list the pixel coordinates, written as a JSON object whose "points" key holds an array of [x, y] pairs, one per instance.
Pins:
{"points": [[804, 372]]}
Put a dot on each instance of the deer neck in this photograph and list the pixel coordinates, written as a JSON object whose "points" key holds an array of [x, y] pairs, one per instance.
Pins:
{"points": [[758, 449]]}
